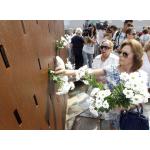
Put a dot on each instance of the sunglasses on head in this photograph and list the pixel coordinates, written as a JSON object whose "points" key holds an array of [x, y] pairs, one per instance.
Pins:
{"points": [[124, 54], [104, 47]]}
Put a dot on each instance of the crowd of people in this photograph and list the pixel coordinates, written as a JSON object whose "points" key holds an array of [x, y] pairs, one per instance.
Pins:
{"points": [[110, 51], [97, 46]]}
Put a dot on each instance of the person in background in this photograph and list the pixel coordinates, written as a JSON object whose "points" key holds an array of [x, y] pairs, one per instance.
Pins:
{"points": [[148, 29], [145, 37], [121, 35], [114, 31], [68, 36], [77, 43], [130, 60], [130, 33], [99, 37], [108, 34], [89, 43], [99, 33], [146, 61], [106, 58]]}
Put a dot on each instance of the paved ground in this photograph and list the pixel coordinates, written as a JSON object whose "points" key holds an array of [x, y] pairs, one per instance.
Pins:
{"points": [[78, 116]]}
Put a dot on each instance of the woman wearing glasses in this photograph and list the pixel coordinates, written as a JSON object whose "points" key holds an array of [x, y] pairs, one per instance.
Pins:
{"points": [[106, 57], [130, 60]]}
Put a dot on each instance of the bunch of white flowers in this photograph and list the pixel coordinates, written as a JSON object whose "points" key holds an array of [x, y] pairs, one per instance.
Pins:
{"points": [[68, 65], [81, 72], [131, 90], [62, 82], [65, 87], [64, 41], [98, 101], [60, 44], [135, 87]]}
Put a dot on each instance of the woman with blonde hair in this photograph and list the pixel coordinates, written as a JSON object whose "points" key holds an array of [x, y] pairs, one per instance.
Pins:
{"points": [[106, 57], [130, 60]]}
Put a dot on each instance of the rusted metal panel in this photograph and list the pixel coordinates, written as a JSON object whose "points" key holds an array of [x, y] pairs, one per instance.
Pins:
{"points": [[24, 89]]}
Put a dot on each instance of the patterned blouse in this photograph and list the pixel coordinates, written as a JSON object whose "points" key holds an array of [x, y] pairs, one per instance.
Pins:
{"points": [[112, 76], [113, 79]]}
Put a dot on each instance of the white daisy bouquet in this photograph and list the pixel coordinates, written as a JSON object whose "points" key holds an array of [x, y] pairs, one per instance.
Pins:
{"points": [[98, 95], [132, 90], [60, 44]]}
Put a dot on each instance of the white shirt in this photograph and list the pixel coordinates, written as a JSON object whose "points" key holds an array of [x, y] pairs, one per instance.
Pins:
{"points": [[121, 38], [100, 36], [88, 48], [144, 38], [114, 36], [146, 66], [98, 63]]}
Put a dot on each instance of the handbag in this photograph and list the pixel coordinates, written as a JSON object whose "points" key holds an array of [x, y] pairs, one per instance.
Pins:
{"points": [[131, 120]]}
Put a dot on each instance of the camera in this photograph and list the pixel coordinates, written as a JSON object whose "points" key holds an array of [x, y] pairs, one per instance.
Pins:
{"points": [[87, 32]]}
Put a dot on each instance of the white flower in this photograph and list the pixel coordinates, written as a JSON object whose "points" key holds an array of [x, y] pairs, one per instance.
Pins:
{"points": [[94, 91], [85, 82], [81, 73], [93, 111], [146, 96], [64, 89], [105, 104], [90, 100], [135, 86], [72, 86], [134, 76], [124, 76], [128, 93], [101, 94], [136, 99], [107, 92], [69, 65], [77, 75], [127, 85], [64, 40], [64, 78], [98, 104]]}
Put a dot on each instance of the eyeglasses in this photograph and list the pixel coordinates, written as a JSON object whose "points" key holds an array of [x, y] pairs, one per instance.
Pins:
{"points": [[124, 54], [104, 47]]}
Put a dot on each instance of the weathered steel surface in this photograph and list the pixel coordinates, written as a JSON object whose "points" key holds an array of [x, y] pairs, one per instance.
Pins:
{"points": [[27, 48]]}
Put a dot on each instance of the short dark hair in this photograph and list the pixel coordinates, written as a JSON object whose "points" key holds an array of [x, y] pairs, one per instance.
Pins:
{"points": [[126, 21], [130, 30], [145, 31], [113, 27]]}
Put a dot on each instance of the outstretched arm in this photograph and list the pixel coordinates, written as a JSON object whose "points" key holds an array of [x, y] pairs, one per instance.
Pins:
{"points": [[97, 72]]}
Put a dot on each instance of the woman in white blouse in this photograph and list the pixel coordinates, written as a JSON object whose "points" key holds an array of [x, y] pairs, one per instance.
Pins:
{"points": [[106, 58]]}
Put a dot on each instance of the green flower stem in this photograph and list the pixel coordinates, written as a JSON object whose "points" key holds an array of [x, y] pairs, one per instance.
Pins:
{"points": [[55, 78]]}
